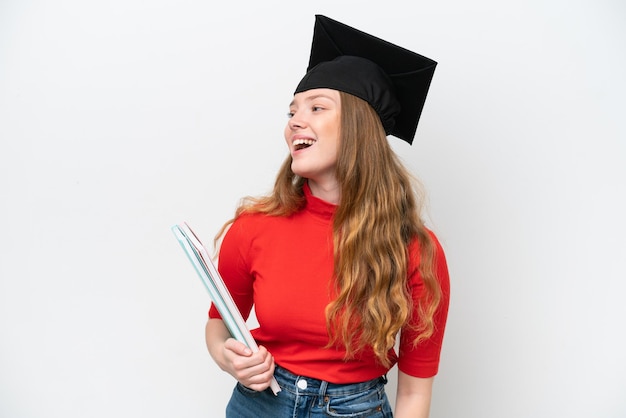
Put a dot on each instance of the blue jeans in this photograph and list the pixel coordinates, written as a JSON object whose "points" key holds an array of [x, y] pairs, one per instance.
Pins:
{"points": [[303, 397]]}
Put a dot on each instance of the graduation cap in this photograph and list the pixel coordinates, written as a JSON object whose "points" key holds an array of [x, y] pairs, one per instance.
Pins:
{"points": [[392, 79]]}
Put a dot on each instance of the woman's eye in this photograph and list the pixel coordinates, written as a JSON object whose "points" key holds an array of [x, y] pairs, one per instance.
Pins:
{"points": [[290, 115], [317, 108]]}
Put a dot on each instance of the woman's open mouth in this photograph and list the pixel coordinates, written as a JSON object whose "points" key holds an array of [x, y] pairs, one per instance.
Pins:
{"points": [[299, 144]]}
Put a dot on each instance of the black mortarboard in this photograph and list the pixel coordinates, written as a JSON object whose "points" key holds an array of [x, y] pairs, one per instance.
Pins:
{"points": [[393, 80]]}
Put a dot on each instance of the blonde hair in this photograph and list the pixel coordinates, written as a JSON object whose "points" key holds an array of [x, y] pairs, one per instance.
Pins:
{"points": [[378, 216]]}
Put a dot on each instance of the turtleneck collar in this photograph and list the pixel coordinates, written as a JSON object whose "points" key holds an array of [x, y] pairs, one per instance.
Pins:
{"points": [[316, 205]]}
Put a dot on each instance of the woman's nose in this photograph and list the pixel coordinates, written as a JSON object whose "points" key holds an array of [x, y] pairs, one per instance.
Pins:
{"points": [[296, 121]]}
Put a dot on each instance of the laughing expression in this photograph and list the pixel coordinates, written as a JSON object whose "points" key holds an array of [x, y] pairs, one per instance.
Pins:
{"points": [[312, 134]]}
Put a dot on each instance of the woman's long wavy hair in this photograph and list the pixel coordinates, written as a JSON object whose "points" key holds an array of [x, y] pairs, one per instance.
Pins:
{"points": [[378, 216]]}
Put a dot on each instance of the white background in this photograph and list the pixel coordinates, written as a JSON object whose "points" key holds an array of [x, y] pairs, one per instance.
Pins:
{"points": [[121, 118]]}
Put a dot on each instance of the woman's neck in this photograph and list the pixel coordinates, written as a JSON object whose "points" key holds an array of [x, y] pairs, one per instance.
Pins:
{"points": [[328, 191]]}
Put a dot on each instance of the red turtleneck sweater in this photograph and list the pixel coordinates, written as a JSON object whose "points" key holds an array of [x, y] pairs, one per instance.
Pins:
{"points": [[284, 266]]}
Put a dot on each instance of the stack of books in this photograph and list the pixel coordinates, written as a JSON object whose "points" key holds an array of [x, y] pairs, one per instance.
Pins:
{"points": [[221, 297]]}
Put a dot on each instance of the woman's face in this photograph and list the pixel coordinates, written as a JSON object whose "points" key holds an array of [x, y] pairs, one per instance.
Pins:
{"points": [[312, 135]]}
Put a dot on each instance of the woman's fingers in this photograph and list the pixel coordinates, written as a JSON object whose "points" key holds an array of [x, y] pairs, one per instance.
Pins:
{"points": [[253, 370]]}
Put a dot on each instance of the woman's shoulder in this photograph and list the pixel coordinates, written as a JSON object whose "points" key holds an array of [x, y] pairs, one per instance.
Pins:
{"points": [[439, 256], [246, 221], [251, 222], [415, 244]]}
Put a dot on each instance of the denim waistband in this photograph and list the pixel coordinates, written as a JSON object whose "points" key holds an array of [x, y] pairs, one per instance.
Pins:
{"points": [[304, 385]]}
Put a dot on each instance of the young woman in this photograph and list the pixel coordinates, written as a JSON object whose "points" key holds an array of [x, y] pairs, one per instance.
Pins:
{"points": [[337, 263]]}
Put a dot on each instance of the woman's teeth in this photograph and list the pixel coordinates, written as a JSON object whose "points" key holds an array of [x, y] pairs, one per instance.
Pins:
{"points": [[302, 143]]}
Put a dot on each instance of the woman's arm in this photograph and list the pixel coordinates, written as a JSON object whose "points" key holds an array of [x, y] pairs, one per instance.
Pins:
{"points": [[253, 370], [413, 396]]}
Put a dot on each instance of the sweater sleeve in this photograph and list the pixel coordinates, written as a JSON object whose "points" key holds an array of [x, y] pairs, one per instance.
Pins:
{"points": [[234, 268], [422, 360]]}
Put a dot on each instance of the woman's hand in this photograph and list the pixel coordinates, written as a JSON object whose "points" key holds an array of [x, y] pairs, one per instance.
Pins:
{"points": [[253, 370]]}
